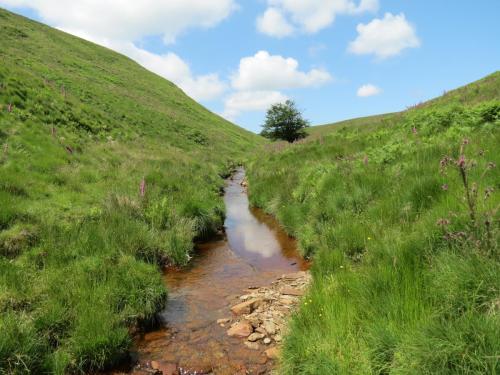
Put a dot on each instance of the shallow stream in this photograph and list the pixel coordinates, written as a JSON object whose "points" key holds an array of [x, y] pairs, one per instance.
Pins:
{"points": [[253, 253]]}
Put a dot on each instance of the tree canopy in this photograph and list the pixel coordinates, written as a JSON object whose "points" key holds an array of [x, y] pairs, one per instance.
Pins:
{"points": [[284, 121]]}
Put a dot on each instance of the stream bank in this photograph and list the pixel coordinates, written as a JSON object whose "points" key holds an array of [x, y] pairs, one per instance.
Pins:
{"points": [[247, 263]]}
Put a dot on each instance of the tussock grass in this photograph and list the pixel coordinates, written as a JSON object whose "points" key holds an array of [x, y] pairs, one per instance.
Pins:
{"points": [[406, 270], [81, 129]]}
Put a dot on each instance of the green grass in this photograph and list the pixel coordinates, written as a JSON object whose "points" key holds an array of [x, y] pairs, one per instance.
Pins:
{"points": [[405, 281], [80, 248], [480, 91]]}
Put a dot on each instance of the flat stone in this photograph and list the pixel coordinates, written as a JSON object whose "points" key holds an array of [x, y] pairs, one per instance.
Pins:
{"points": [[255, 336], [287, 301], [241, 329], [292, 291], [270, 327], [261, 330], [246, 307], [294, 276], [252, 345], [272, 353]]}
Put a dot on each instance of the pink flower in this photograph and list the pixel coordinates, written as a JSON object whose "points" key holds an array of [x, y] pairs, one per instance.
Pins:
{"points": [[142, 187], [461, 161], [414, 130]]}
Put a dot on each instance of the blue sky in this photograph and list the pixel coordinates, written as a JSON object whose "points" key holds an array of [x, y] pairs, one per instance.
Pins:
{"points": [[237, 57]]}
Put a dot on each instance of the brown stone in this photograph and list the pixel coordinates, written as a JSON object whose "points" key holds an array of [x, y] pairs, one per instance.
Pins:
{"points": [[252, 345], [292, 291], [270, 327], [223, 321], [246, 307], [255, 336], [241, 329], [272, 353], [293, 276], [165, 367]]}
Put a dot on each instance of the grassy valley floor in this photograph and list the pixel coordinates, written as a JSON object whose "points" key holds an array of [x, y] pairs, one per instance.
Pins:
{"points": [[400, 216]]}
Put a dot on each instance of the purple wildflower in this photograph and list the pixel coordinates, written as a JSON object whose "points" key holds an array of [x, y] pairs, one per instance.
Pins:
{"points": [[461, 161], [142, 187]]}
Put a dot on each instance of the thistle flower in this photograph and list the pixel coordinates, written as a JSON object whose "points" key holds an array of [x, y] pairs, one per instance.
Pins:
{"points": [[444, 187], [461, 161], [414, 130]]}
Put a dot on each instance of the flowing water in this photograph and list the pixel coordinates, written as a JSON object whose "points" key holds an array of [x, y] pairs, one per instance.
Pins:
{"points": [[254, 252]]}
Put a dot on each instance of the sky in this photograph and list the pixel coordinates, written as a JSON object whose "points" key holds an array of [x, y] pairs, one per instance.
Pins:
{"points": [[337, 59]]}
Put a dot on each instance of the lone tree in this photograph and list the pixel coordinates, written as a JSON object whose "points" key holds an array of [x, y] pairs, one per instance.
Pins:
{"points": [[284, 121]]}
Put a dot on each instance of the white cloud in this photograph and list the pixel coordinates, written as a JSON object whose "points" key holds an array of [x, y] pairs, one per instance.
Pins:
{"points": [[273, 72], [385, 37], [312, 16], [368, 90], [130, 19], [273, 23], [245, 101]]}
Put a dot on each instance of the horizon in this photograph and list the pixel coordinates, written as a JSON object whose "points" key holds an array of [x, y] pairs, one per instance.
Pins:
{"points": [[337, 60]]}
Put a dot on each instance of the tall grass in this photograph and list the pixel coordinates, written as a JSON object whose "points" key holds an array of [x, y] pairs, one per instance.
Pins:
{"points": [[401, 220], [107, 172]]}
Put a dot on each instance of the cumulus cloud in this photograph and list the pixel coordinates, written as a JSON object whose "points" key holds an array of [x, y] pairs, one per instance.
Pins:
{"points": [[385, 37], [130, 20], [273, 23], [264, 71], [260, 79], [310, 16], [172, 67], [368, 90], [245, 101]]}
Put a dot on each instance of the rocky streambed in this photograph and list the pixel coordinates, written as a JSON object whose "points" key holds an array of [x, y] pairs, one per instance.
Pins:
{"points": [[260, 317], [227, 311]]}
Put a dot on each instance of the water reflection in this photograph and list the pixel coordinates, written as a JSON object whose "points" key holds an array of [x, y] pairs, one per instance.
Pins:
{"points": [[255, 253]]}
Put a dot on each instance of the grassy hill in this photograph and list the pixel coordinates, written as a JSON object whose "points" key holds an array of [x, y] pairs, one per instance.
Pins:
{"points": [[400, 215], [106, 171], [475, 93]]}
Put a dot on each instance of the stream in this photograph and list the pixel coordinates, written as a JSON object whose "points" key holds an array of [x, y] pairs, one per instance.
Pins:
{"points": [[253, 253]]}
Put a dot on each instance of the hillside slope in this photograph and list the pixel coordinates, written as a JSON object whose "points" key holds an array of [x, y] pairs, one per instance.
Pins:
{"points": [[106, 170], [485, 89], [401, 220]]}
